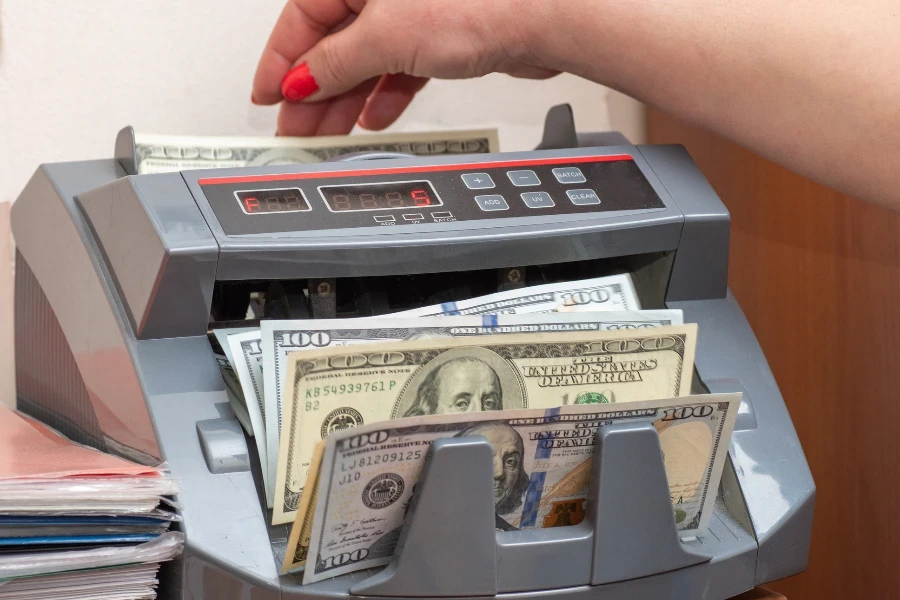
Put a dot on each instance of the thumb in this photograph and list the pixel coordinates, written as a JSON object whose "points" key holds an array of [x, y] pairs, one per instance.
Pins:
{"points": [[337, 63]]}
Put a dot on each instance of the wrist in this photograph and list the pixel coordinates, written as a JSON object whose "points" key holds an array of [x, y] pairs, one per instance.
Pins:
{"points": [[538, 31], [550, 31], [595, 39]]}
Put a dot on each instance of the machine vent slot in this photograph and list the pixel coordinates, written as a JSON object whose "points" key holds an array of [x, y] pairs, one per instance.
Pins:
{"points": [[48, 384], [245, 302]]}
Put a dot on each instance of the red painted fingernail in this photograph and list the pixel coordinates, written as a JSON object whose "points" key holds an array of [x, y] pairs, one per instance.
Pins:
{"points": [[253, 99], [298, 83]]}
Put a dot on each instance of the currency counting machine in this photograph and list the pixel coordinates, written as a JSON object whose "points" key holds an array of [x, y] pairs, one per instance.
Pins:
{"points": [[120, 276]]}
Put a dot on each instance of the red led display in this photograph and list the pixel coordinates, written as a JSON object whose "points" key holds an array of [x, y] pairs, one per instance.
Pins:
{"points": [[255, 202], [380, 196]]}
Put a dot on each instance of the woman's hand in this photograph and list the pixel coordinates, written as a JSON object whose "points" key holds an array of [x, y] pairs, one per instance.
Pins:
{"points": [[337, 62]]}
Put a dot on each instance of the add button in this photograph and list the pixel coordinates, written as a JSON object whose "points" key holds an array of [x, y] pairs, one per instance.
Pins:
{"points": [[491, 202], [583, 197]]}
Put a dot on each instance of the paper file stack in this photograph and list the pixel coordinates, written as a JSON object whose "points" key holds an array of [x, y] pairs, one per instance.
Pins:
{"points": [[76, 523]]}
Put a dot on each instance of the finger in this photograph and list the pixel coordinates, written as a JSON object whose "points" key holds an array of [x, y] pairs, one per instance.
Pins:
{"points": [[343, 112], [339, 62], [334, 117], [300, 26], [390, 98], [529, 72], [299, 119]]}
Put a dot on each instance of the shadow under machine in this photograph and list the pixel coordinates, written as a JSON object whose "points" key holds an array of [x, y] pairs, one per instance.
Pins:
{"points": [[119, 278]]}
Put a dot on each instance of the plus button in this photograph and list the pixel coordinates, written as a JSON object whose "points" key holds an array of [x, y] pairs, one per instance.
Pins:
{"points": [[478, 181]]}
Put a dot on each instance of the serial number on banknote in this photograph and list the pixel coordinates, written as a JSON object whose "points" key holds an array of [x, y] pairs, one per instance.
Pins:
{"points": [[348, 388], [351, 472]]}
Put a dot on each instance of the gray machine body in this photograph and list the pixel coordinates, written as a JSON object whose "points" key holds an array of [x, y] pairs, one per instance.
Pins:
{"points": [[116, 275]]}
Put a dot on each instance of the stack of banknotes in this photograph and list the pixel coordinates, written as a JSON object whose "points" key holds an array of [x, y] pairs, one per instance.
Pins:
{"points": [[342, 432]]}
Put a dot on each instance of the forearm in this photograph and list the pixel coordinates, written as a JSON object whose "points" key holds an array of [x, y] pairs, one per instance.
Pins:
{"points": [[812, 85]]}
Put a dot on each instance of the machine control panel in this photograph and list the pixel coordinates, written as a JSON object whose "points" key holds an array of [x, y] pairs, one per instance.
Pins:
{"points": [[380, 196]]}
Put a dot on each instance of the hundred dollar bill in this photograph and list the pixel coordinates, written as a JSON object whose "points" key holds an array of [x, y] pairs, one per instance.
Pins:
{"points": [[247, 352], [282, 338], [301, 530], [232, 385], [167, 153], [541, 473], [340, 388], [615, 292], [234, 393]]}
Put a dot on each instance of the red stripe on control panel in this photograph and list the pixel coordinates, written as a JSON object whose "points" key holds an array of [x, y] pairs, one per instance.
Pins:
{"points": [[417, 169]]}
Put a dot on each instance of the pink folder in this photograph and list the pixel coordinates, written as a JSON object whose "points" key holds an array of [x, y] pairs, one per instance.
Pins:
{"points": [[29, 449]]}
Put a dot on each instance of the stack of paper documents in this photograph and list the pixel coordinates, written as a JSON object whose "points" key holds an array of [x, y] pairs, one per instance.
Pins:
{"points": [[77, 523]]}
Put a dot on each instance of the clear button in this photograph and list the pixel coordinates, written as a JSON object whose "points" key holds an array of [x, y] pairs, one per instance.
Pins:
{"points": [[582, 197], [569, 175]]}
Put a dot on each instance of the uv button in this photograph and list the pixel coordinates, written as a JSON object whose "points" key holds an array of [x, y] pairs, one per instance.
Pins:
{"points": [[537, 200], [582, 197], [491, 202]]}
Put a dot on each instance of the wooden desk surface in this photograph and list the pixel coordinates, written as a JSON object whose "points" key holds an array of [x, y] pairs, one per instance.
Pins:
{"points": [[760, 593]]}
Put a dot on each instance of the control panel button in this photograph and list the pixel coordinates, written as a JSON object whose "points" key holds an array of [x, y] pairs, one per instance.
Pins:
{"points": [[491, 202], [569, 175], [583, 197], [384, 218], [537, 200], [442, 216], [523, 178], [478, 181], [413, 217]]}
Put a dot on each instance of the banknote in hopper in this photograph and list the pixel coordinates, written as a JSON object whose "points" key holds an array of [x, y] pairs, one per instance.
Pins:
{"points": [[368, 474], [168, 153], [301, 531], [615, 292], [234, 393], [340, 388], [247, 355], [612, 293], [232, 384], [282, 338]]}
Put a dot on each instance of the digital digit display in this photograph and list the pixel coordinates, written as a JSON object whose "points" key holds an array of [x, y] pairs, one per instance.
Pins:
{"points": [[260, 202], [380, 196]]}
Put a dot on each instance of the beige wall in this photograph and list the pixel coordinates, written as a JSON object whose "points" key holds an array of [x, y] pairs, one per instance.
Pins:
{"points": [[7, 371], [73, 73]]}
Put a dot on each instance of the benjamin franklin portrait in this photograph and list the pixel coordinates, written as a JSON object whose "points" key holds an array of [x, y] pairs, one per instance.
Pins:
{"points": [[464, 384], [510, 478], [461, 380]]}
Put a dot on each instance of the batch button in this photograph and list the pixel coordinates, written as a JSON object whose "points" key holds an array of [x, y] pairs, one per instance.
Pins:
{"points": [[569, 175]]}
